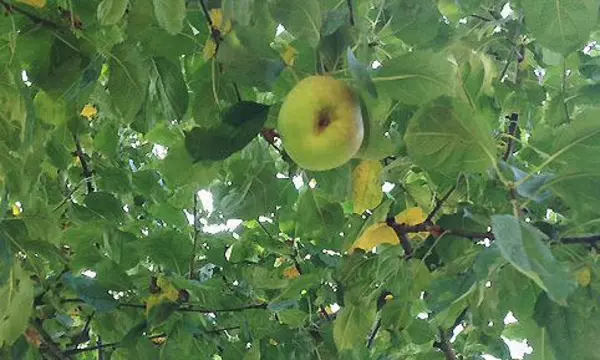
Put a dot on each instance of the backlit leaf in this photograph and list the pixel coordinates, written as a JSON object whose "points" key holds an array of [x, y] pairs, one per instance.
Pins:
{"points": [[366, 185]]}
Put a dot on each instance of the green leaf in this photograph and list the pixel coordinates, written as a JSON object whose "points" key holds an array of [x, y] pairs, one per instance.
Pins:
{"points": [[6, 262], [104, 205], [240, 125], [16, 306], [320, 219], [50, 110], [563, 25], [302, 19], [128, 80], [449, 137], [91, 292], [415, 22], [111, 11], [171, 88], [523, 246], [352, 325], [170, 250], [571, 329], [416, 78], [360, 74], [238, 10], [170, 14]]}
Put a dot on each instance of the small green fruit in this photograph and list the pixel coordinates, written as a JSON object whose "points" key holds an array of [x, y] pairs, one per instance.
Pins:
{"points": [[320, 123]]}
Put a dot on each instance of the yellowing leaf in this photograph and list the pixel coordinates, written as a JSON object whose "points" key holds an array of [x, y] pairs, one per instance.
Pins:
{"points": [[366, 185], [584, 276], [167, 290], [210, 49], [381, 233], [216, 15], [35, 3], [151, 302], [375, 234], [89, 111], [16, 209], [291, 273], [411, 216], [289, 56]]}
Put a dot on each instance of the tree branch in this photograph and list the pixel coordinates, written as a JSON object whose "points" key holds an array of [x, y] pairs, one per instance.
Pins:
{"points": [[351, 9], [203, 310], [87, 172], [117, 344], [48, 346], [439, 204], [374, 334], [401, 232], [445, 346], [34, 18], [511, 131]]}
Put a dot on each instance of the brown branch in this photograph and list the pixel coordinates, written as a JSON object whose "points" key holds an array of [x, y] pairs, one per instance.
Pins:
{"points": [[85, 166], [445, 346], [401, 232], [511, 131], [49, 347], [439, 204], [34, 18]]}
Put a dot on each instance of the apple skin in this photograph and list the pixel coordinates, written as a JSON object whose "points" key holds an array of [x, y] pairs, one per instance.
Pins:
{"points": [[320, 123]]}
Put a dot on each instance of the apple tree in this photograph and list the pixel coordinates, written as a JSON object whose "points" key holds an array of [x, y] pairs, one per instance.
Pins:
{"points": [[150, 208]]}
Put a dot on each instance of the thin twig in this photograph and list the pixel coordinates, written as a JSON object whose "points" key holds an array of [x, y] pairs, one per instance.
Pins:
{"points": [[511, 131], [445, 346], [480, 17], [439, 204], [196, 233], [374, 334], [351, 9], [34, 18], [85, 166], [117, 344], [204, 310]]}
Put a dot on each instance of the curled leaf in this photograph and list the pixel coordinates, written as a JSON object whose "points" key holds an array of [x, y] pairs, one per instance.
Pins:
{"points": [[366, 185]]}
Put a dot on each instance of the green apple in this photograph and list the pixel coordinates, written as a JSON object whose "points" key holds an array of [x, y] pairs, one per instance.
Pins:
{"points": [[320, 123]]}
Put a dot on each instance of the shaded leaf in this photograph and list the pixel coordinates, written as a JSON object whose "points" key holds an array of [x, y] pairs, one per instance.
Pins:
{"points": [[170, 14], [523, 246]]}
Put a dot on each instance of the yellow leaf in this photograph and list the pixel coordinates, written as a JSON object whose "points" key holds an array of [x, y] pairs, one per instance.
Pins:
{"points": [[151, 302], [35, 3], [584, 276], [381, 233], [413, 216], [291, 273], [375, 234], [389, 297], [89, 111], [366, 185], [167, 290], [210, 49], [16, 209], [289, 56], [216, 15]]}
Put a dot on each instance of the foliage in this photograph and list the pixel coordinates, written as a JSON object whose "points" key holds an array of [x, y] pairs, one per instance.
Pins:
{"points": [[480, 116]]}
